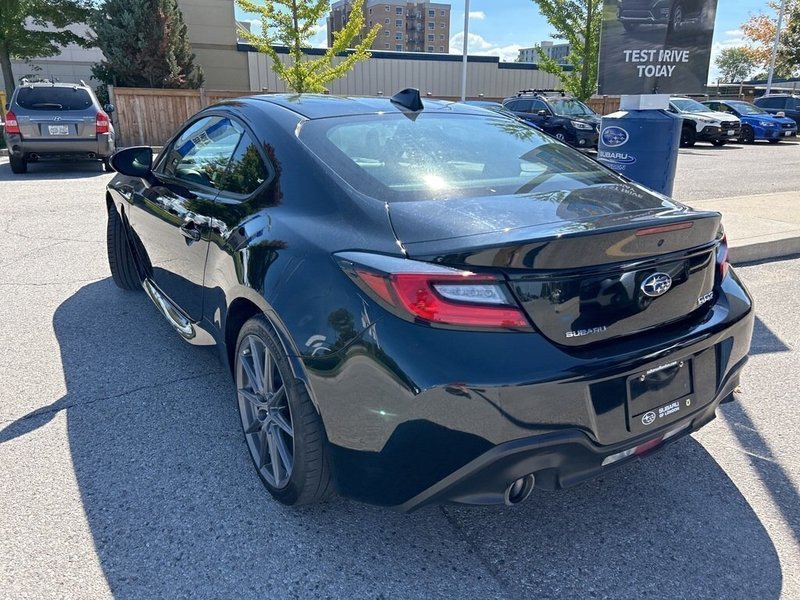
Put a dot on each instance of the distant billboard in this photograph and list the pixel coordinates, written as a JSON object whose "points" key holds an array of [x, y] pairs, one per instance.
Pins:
{"points": [[655, 46]]}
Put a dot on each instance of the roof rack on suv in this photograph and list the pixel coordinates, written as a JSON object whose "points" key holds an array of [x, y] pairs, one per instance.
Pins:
{"points": [[542, 93]]}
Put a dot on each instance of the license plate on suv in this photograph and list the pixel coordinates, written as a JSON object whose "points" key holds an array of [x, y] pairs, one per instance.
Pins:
{"points": [[58, 129], [660, 395]]}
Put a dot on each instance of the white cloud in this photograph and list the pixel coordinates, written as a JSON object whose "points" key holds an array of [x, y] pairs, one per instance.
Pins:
{"points": [[478, 45], [477, 15]]}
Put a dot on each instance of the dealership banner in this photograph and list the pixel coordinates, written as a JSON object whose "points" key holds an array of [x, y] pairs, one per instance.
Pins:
{"points": [[655, 46]]}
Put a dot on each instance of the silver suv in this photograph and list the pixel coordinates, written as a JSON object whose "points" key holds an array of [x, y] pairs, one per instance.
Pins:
{"points": [[57, 120]]}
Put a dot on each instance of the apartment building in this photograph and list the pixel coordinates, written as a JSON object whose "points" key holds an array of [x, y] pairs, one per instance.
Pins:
{"points": [[405, 26], [558, 52]]}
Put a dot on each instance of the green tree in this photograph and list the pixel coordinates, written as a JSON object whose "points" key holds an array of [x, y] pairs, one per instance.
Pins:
{"points": [[49, 19], [578, 22], [735, 64], [145, 44], [291, 23]]}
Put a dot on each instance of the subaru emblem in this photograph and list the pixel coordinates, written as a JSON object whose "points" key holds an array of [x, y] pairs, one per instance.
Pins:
{"points": [[656, 285], [614, 136]]}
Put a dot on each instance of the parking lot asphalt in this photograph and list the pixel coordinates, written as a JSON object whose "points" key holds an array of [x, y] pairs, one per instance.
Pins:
{"points": [[123, 471]]}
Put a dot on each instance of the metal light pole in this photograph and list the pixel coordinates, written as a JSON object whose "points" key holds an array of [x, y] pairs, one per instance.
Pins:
{"points": [[466, 41], [775, 46]]}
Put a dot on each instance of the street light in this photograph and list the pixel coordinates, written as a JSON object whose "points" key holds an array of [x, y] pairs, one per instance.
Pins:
{"points": [[466, 40], [775, 47]]}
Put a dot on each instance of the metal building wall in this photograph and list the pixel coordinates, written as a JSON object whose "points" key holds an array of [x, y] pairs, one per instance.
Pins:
{"points": [[437, 75]]}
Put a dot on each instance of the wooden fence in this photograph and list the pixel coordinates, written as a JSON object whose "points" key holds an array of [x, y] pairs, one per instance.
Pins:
{"points": [[604, 105], [148, 117]]}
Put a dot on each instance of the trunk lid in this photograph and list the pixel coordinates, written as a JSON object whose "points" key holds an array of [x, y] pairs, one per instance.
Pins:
{"points": [[586, 265]]}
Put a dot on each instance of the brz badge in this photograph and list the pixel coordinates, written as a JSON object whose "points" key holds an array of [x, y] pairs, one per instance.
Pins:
{"points": [[656, 285], [648, 418]]}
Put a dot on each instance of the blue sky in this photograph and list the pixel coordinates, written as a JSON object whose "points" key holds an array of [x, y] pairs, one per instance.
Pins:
{"points": [[501, 27]]}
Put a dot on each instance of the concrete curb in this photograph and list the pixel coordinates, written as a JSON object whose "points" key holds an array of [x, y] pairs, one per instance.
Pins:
{"points": [[772, 250]]}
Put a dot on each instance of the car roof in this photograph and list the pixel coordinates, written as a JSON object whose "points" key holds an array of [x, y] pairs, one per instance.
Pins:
{"points": [[57, 84], [321, 106]]}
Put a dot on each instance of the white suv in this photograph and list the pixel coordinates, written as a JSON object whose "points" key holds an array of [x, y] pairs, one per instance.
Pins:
{"points": [[701, 124]]}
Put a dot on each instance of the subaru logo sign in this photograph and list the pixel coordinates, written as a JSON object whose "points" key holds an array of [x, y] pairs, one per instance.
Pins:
{"points": [[615, 136], [656, 285]]}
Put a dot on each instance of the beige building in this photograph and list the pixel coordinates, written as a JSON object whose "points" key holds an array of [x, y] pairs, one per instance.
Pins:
{"points": [[212, 33], [405, 26]]}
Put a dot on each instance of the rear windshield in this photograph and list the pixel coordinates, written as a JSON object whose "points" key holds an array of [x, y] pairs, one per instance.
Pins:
{"points": [[54, 98], [437, 156]]}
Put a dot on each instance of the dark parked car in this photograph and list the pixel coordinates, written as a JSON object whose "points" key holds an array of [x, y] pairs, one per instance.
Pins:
{"points": [[787, 104], [424, 304], [565, 118], [57, 121], [678, 15]]}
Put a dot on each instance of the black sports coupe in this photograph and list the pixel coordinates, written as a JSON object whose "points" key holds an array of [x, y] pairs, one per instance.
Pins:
{"points": [[428, 303]]}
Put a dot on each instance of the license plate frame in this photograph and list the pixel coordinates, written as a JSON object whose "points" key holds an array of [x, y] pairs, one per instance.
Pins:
{"points": [[731, 132], [58, 129], [660, 395], [788, 134]]}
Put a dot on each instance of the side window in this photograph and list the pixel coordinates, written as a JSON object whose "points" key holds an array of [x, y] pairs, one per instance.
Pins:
{"points": [[247, 170], [524, 106], [773, 102], [717, 106], [512, 105], [201, 154], [539, 105]]}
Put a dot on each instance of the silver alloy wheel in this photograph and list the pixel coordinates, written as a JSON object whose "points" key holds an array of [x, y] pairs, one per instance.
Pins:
{"points": [[561, 137], [264, 409]]}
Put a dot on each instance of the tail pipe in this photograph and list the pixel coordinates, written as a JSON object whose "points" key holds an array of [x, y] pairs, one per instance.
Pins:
{"points": [[519, 490]]}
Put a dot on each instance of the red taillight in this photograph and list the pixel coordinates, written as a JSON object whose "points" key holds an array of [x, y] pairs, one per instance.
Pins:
{"points": [[464, 299], [102, 124], [722, 257], [11, 123]]}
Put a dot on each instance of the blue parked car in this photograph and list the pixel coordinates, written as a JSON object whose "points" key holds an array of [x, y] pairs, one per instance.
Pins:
{"points": [[757, 124]]}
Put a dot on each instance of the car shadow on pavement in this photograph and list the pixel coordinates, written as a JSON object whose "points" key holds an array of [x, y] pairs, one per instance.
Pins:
{"points": [[38, 171], [175, 507], [765, 341]]}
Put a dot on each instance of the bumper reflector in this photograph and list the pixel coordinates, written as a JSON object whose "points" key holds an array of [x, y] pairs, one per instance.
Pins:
{"points": [[643, 448]]}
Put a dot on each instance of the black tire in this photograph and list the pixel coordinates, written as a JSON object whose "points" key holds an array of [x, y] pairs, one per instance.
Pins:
{"points": [[630, 27], [561, 135], [107, 166], [719, 143], [747, 136], [775, 141], [676, 24], [19, 165], [305, 478], [120, 257], [688, 136]]}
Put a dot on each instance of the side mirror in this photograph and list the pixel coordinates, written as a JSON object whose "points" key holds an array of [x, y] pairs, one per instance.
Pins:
{"points": [[8, 106], [780, 113], [133, 162], [543, 113], [109, 108]]}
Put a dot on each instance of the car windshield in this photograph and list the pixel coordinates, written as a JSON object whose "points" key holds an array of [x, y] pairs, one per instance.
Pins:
{"points": [[433, 156], [54, 98], [747, 109], [571, 108], [688, 105]]}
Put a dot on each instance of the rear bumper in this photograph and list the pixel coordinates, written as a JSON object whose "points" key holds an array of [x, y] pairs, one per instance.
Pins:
{"points": [[415, 418], [102, 147], [556, 460]]}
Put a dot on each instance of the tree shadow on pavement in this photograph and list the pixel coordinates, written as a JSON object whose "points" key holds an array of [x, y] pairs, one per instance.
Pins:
{"points": [[176, 509]]}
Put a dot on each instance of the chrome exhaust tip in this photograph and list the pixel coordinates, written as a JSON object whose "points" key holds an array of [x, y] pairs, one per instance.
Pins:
{"points": [[519, 490]]}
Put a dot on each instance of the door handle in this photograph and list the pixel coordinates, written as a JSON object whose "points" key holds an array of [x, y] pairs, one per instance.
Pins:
{"points": [[190, 231]]}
